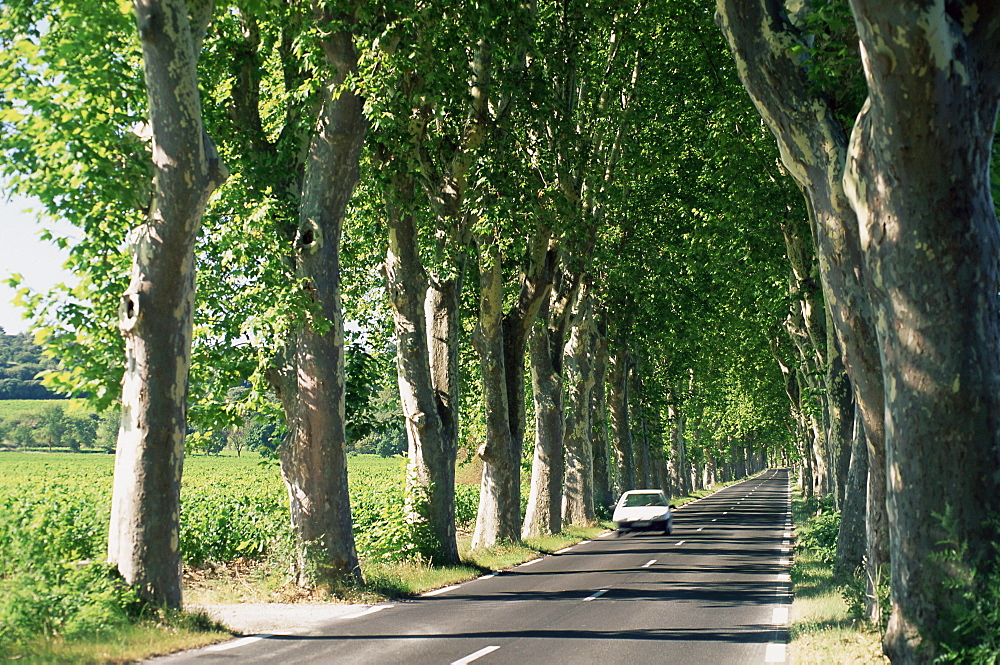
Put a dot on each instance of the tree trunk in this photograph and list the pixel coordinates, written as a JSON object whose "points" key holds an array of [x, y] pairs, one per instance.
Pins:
{"points": [[918, 178], [311, 385], [851, 541], [621, 435], [813, 148], [430, 469], [499, 509], [603, 477], [842, 416], [156, 312], [544, 511], [578, 488], [502, 487]]}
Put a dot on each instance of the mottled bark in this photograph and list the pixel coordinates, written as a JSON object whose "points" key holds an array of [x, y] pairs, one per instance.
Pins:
{"points": [[603, 477], [502, 486], [918, 178], [851, 541], [841, 417], [430, 476], [155, 316], [548, 337], [311, 383], [621, 433], [578, 486], [813, 147]]}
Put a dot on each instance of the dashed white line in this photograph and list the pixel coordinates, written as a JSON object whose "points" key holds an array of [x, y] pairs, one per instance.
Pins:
{"points": [[680, 543], [563, 550], [370, 610], [234, 644], [780, 616], [441, 590], [649, 563], [775, 653], [475, 656], [529, 563], [700, 528], [596, 594]]}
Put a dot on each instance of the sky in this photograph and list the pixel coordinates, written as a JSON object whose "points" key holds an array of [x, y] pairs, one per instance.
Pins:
{"points": [[22, 251]]}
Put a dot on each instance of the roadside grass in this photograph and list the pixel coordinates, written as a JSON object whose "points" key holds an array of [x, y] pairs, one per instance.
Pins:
{"points": [[127, 644], [821, 628], [384, 580]]}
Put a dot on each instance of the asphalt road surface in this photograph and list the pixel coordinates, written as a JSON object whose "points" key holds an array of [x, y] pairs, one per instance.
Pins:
{"points": [[715, 591]]}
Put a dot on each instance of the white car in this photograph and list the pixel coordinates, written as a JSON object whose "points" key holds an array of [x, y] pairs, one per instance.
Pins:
{"points": [[643, 510]]}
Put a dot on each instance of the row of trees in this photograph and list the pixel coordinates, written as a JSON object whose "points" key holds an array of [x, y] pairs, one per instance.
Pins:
{"points": [[508, 206], [21, 361], [906, 236], [577, 187]]}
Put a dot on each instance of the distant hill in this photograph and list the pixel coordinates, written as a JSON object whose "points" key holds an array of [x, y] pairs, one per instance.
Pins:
{"points": [[20, 362]]}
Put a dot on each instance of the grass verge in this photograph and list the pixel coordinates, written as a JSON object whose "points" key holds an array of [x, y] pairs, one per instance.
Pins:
{"points": [[821, 628], [168, 633]]}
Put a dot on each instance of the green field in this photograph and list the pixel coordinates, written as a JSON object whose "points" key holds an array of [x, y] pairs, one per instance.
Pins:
{"points": [[18, 409]]}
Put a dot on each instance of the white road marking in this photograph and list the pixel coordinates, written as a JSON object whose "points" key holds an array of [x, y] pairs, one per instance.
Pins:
{"points": [[439, 591], [780, 616], [649, 563], [528, 563], [605, 535], [596, 594], [700, 528], [775, 653], [563, 550], [680, 543], [784, 577], [370, 610], [234, 644], [787, 534], [488, 577], [714, 518], [782, 562], [475, 656], [584, 542]]}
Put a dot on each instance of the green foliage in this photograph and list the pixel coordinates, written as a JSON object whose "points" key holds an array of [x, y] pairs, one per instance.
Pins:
{"points": [[819, 533], [970, 607], [21, 363], [49, 423]]}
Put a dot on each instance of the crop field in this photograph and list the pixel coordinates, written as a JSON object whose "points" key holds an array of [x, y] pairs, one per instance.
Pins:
{"points": [[231, 507], [54, 511], [17, 409]]}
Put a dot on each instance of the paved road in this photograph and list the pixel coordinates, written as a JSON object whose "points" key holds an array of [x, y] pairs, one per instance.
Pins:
{"points": [[713, 592]]}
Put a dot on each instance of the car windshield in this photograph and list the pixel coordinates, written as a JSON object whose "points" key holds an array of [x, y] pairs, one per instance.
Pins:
{"points": [[646, 499]]}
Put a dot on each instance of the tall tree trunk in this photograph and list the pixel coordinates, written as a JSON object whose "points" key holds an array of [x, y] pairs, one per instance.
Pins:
{"points": [[851, 540], [621, 434], [842, 415], [918, 178], [430, 475], [311, 385], [156, 312], [578, 488], [813, 148], [544, 511], [516, 324], [603, 475], [499, 509], [640, 441]]}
